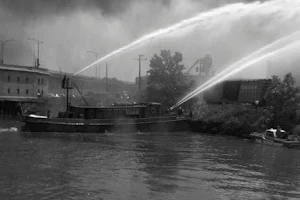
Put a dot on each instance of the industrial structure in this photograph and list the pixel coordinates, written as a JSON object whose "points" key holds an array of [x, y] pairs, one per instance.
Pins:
{"points": [[201, 70], [205, 67]]}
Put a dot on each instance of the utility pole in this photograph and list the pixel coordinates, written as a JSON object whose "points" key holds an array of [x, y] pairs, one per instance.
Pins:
{"points": [[2, 49], [96, 70], [140, 58], [269, 65], [38, 42], [106, 84]]}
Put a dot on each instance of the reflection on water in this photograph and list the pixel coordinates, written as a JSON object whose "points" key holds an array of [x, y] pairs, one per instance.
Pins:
{"points": [[146, 166]]}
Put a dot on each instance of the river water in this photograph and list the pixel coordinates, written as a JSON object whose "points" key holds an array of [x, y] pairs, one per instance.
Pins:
{"points": [[146, 166]]}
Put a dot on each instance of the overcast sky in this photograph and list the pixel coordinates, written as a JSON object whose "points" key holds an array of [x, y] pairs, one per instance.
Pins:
{"points": [[69, 28]]}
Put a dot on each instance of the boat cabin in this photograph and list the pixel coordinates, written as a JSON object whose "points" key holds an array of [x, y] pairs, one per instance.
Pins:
{"points": [[271, 133], [115, 111]]}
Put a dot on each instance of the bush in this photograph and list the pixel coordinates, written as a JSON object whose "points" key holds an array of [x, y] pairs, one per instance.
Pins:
{"points": [[296, 130], [282, 99], [232, 126], [231, 119]]}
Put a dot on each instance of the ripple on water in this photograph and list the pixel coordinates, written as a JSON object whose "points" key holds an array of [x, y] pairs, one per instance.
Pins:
{"points": [[145, 166]]}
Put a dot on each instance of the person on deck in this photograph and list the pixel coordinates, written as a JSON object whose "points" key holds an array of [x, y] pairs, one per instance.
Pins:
{"points": [[278, 132], [191, 114], [48, 113], [180, 112]]}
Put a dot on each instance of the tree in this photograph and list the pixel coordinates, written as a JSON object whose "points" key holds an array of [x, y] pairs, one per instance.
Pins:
{"points": [[282, 99], [166, 82]]}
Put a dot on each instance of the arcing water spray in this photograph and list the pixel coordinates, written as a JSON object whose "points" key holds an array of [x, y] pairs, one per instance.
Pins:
{"points": [[275, 44], [244, 66], [205, 18]]}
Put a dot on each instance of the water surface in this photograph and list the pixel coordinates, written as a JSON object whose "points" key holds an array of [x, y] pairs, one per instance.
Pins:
{"points": [[146, 166]]}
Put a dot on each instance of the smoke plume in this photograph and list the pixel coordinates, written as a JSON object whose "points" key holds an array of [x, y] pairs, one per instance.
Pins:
{"points": [[69, 29]]}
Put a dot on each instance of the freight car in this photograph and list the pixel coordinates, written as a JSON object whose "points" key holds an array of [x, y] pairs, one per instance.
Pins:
{"points": [[237, 91]]}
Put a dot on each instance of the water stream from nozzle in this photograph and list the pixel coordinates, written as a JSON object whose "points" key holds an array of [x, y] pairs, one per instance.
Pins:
{"points": [[234, 71], [267, 48], [206, 19]]}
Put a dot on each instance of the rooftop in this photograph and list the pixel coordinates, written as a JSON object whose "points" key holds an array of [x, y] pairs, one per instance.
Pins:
{"points": [[19, 98], [24, 69]]}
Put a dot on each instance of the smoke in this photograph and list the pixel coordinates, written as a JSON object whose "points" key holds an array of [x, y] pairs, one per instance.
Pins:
{"points": [[45, 8], [69, 29]]}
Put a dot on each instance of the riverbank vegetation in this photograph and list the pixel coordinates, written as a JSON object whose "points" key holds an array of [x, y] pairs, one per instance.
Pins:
{"points": [[280, 107], [229, 119]]}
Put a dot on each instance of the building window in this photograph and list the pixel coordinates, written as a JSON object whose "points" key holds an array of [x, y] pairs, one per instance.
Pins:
{"points": [[27, 91], [8, 91], [27, 80], [18, 91], [42, 92], [38, 81], [8, 78], [18, 79], [42, 81]]}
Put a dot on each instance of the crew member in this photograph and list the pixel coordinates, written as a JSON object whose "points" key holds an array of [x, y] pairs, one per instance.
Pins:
{"points": [[191, 114], [180, 112], [48, 113], [278, 132]]}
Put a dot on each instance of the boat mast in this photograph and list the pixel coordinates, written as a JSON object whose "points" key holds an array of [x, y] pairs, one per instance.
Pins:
{"points": [[106, 83], [67, 95], [66, 84], [106, 86]]}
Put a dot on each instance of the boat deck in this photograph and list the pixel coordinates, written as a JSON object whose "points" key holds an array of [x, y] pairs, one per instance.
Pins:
{"points": [[168, 123]]}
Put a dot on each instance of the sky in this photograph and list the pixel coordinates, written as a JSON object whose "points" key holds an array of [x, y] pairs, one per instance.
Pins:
{"points": [[70, 28]]}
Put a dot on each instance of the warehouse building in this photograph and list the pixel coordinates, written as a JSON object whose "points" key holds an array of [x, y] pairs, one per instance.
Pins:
{"points": [[21, 85], [237, 91]]}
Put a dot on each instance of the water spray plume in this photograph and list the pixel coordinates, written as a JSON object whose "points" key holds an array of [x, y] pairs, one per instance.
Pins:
{"points": [[202, 17], [244, 66], [206, 19], [268, 47]]}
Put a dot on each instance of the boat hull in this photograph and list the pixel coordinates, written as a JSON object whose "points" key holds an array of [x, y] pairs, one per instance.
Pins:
{"points": [[166, 124], [275, 142]]}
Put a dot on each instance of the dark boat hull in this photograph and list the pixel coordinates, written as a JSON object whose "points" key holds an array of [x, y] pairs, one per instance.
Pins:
{"points": [[260, 139], [101, 126]]}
